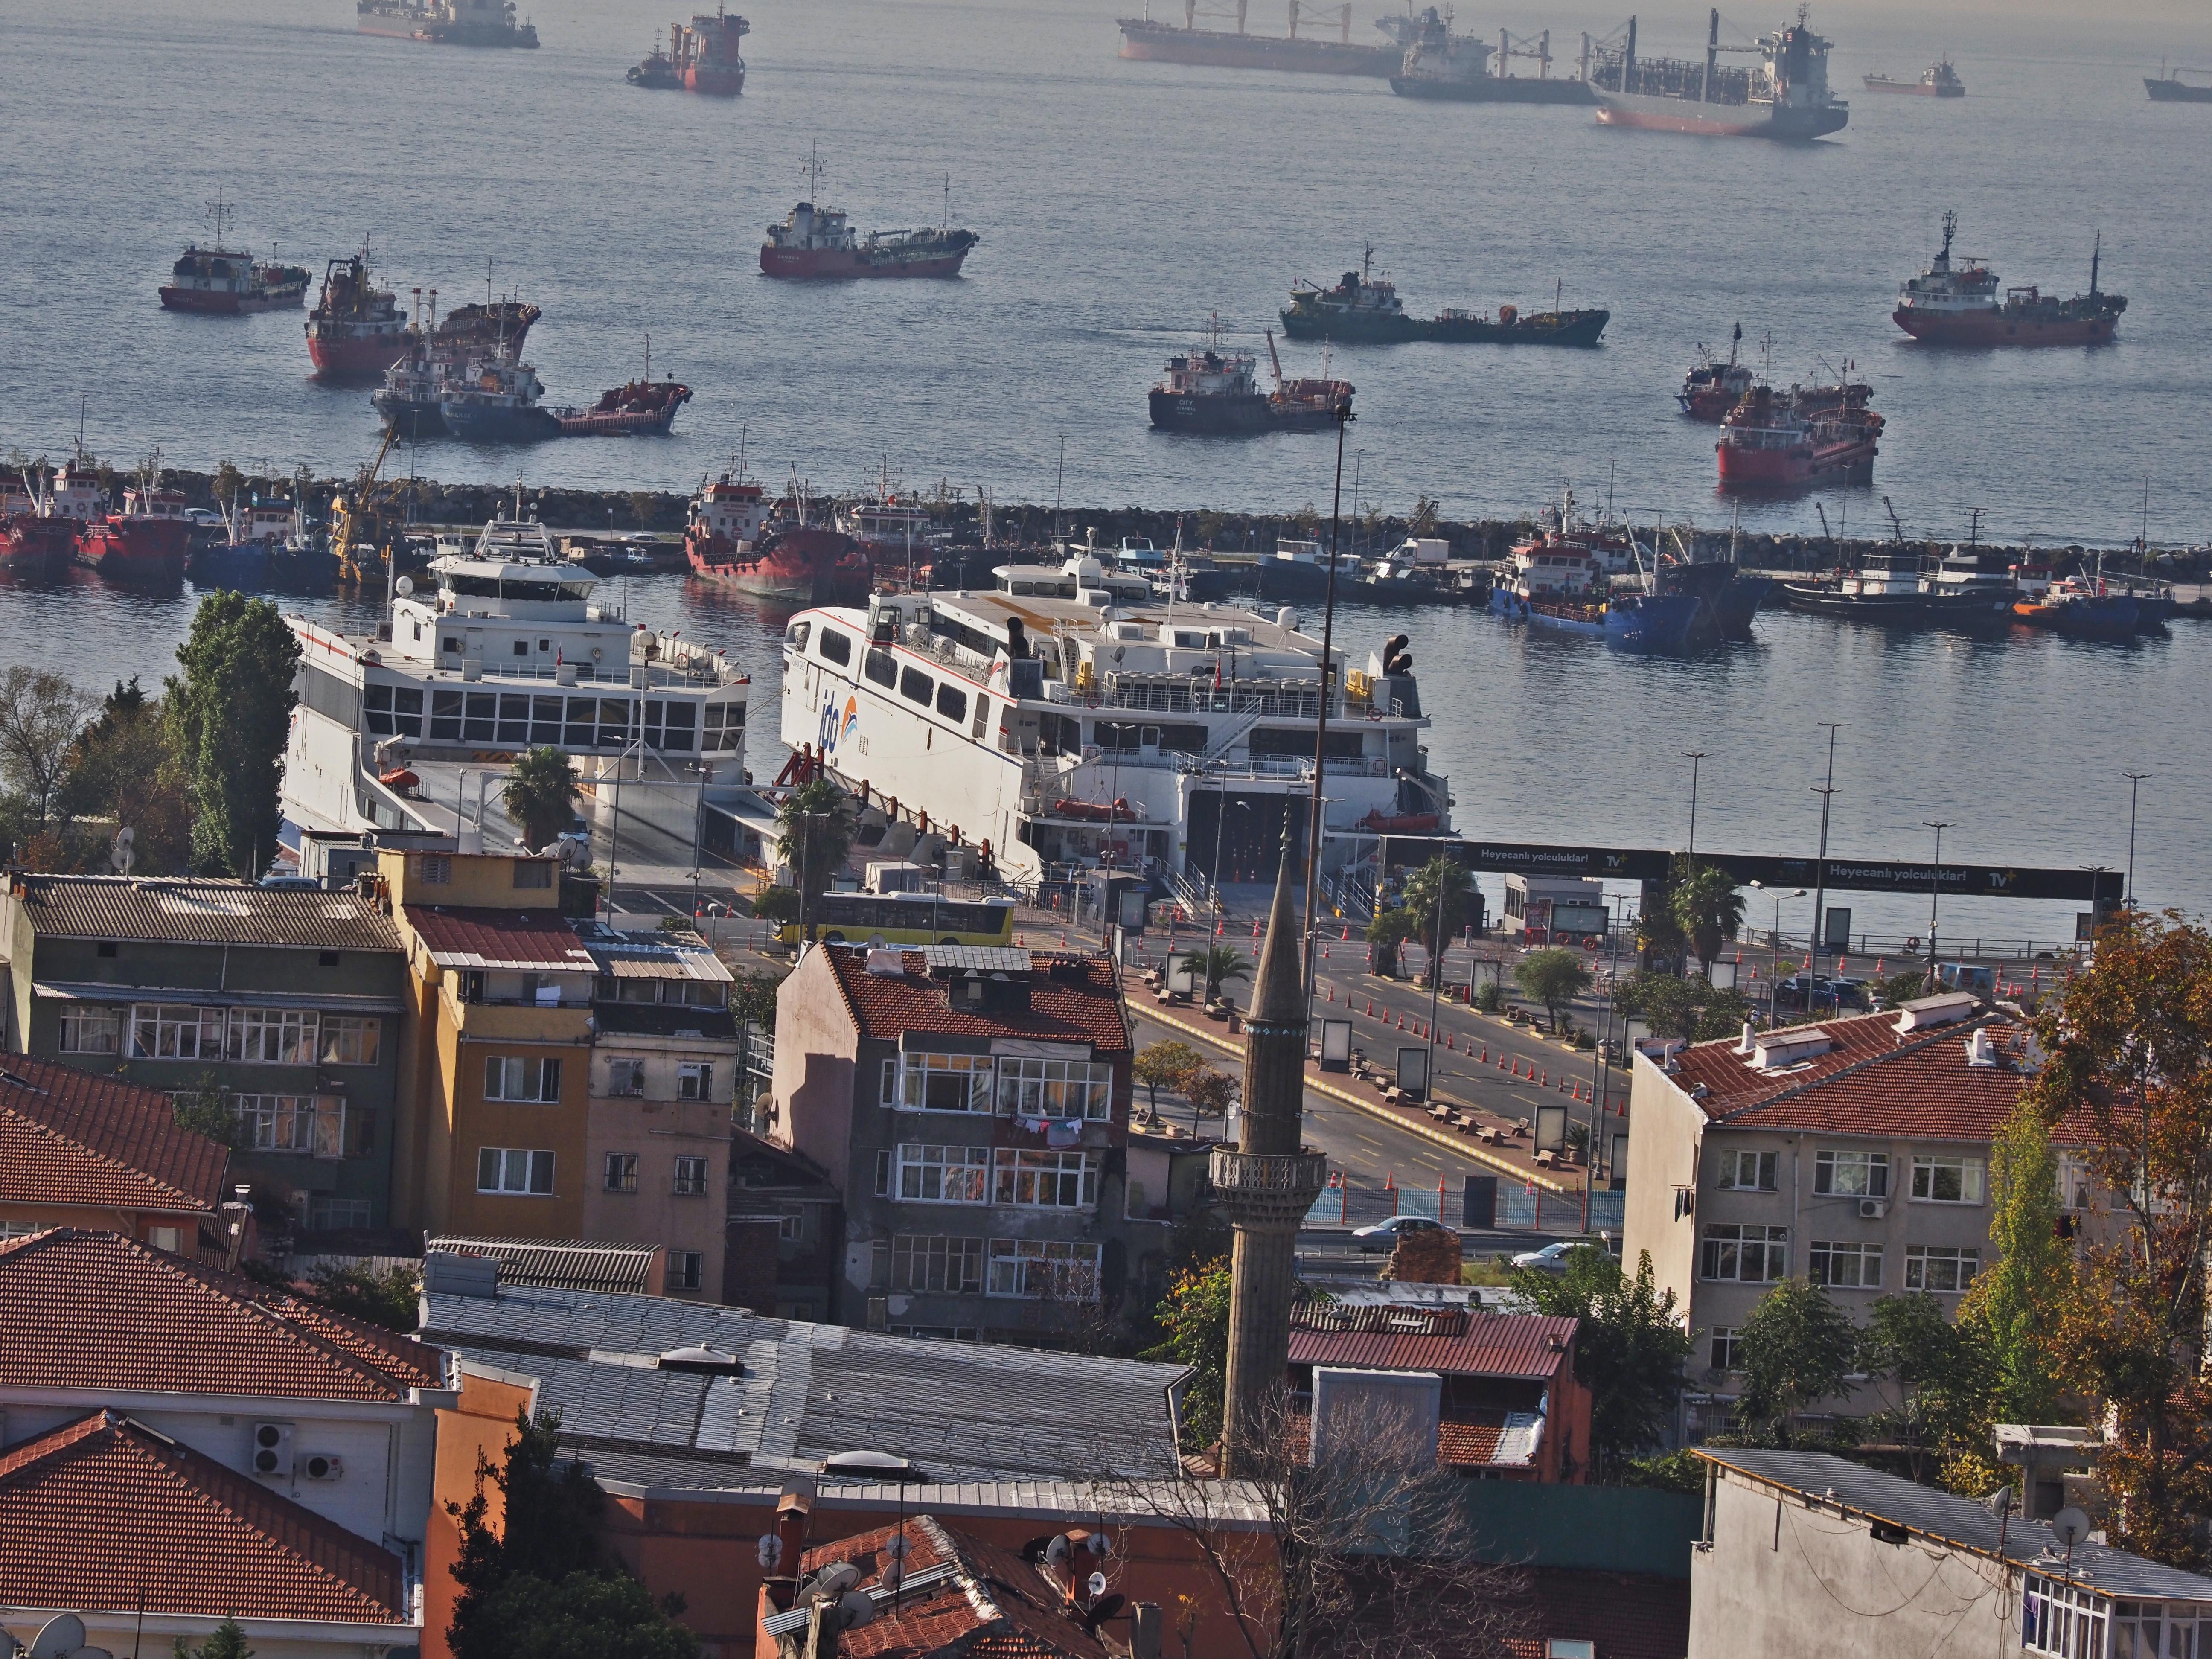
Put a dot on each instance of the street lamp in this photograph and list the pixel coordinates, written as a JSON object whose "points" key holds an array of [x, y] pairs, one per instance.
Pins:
{"points": [[1934, 887], [1343, 413], [1693, 756], [2134, 783], [1825, 791], [1774, 947]]}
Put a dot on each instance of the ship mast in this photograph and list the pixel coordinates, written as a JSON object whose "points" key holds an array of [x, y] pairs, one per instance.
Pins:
{"points": [[2096, 253]]}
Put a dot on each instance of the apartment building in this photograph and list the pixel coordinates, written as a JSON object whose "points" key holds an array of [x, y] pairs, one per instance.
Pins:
{"points": [[1853, 1153], [971, 1105], [284, 1003]]}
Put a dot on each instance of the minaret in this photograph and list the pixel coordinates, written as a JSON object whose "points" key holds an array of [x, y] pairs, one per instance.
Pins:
{"points": [[1267, 1184]]}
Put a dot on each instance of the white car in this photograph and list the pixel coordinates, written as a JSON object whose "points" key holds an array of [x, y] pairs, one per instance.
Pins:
{"points": [[1552, 1259], [1385, 1235]]}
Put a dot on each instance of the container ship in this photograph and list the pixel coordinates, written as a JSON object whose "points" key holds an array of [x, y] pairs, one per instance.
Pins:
{"points": [[1785, 96], [1455, 68], [1938, 80], [445, 22], [733, 539], [1365, 310], [1782, 442], [1957, 305], [1215, 392], [356, 328], [1050, 726], [1166, 43], [813, 241]]}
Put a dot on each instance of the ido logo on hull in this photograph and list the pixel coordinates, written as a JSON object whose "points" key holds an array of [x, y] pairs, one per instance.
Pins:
{"points": [[837, 723]]}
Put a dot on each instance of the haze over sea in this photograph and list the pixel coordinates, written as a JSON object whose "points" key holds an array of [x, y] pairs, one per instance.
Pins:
{"points": [[1121, 203]]}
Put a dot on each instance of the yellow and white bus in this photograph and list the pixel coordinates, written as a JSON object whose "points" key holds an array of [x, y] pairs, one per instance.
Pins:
{"points": [[904, 919]]}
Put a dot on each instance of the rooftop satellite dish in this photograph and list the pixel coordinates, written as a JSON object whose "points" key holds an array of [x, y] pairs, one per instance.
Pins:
{"points": [[1099, 1544], [62, 1634], [896, 1546], [836, 1578], [891, 1577], [2070, 1526], [123, 856], [855, 1607], [771, 1552], [1096, 1584], [2000, 1503], [1056, 1552]]}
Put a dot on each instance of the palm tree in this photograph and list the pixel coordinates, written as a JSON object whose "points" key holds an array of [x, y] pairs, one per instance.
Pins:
{"points": [[540, 796], [1442, 883], [1218, 964], [814, 832], [1708, 909]]}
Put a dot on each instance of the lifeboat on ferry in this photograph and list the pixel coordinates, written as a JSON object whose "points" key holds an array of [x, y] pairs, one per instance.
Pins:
{"points": [[1091, 812], [1379, 823]]}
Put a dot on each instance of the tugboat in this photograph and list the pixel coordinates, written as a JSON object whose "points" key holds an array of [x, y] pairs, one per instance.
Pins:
{"points": [[732, 539], [1938, 80], [1216, 392], [1709, 390], [1365, 310], [356, 329], [655, 70], [644, 405], [1796, 440], [813, 241], [1958, 306], [223, 282]]}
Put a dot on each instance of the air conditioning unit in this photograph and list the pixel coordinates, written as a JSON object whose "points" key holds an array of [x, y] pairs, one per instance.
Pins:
{"points": [[321, 1466], [272, 1450], [1873, 1209]]}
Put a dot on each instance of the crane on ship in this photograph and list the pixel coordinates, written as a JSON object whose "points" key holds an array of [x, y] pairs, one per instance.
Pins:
{"points": [[359, 536]]}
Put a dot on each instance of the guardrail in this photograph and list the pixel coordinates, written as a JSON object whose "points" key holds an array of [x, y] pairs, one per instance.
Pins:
{"points": [[1520, 1207]]}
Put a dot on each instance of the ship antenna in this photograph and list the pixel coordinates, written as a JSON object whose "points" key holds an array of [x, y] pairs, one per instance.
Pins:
{"points": [[2096, 253]]}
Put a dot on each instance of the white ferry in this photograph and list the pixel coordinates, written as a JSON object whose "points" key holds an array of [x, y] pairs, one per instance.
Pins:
{"points": [[1066, 724], [509, 652]]}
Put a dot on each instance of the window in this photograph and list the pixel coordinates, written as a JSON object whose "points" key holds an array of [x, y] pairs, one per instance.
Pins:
{"points": [[723, 728], [515, 1170], [1754, 1170], [1939, 1267], [1751, 1255], [171, 1239], [944, 1082], [351, 1039], [691, 1178], [432, 869], [916, 686], [1948, 1179], [791, 1227], [314, 1125], [272, 1036], [328, 1215], [695, 1081], [533, 873], [883, 1159], [107, 948], [1038, 1268], [1725, 1353], [1846, 1266], [1053, 1180], [954, 1265], [1055, 1088], [944, 1174], [1851, 1175], [2063, 1618], [684, 1269], [622, 1172], [951, 700], [169, 1031], [86, 1029], [836, 647], [2073, 1182], [879, 668], [521, 1076], [626, 1077]]}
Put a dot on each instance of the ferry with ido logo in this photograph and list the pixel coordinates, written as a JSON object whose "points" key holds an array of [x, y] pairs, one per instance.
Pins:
{"points": [[1056, 721]]}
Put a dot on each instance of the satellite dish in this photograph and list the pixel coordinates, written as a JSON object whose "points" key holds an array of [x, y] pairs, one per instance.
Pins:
{"points": [[1099, 1544], [123, 853], [2070, 1526], [62, 1634], [405, 586], [1096, 1584], [836, 1578], [855, 1607], [771, 1552], [896, 1546], [891, 1577], [1055, 1553], [2000, 1503], [1101, 1611]]}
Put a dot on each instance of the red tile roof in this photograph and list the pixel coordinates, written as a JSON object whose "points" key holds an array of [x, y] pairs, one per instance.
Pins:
{"points": [[1450, 1340], [464, 936], [1628, 1615], [1072, 998], [103, 1512], [73, 1137], [89, 1309], [1459, 1442], [1873, 1081], [998, 1606]]}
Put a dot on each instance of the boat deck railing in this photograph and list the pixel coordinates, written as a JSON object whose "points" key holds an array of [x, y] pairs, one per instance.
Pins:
{"points": [[638, 677]]}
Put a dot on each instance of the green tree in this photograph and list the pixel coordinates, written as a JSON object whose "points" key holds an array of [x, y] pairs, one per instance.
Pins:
{"points": [[1658, 933], [1897, 988], [226, 1641], [1941, 1371], [1195, 1313], [753, 997], [1441, 883], [1796, 1348], [205, 1111], [1708, 909], [390, 1298], [2016, 1303], [1387, 931], [229, 716], [814, 831], [1690, 1009], [777, 904], [124, 768], [1630, 1351], [1553, 976], [1215, 966], [1210, 1093], [41, 714], [1165, 1066], [540, 796], [587, 1615]]}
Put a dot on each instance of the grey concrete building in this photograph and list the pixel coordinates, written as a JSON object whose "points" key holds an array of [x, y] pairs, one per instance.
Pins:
{"points": [[285, 1000], [1854, 1152], [971, 1106], [1804, 1554]]}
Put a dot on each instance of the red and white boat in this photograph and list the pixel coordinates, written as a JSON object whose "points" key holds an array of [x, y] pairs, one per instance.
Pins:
{"points": [[44, 518], [146, 541], [1780, 441], [705, 55], [224, 282], [1957, 305], [356, 328], [733, 539], [817, 241]]}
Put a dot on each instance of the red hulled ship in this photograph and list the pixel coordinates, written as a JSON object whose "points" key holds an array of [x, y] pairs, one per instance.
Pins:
{"points": [[1957, 305], [356, 328], [1801, 439], [640, 406], [145, 542], [225, 283], [1709, 390], [730, 540], [704, 55], [817, 242], [42, 519]]}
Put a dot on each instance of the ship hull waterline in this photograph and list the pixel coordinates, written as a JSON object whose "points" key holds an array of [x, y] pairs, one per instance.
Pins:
{"points": [[1717, 120], [1493, 89], [1973, 330]]}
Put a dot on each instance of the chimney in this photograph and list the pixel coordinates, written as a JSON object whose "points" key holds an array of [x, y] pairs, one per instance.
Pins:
{"points": [[793, 1511], [1745, 1047]]}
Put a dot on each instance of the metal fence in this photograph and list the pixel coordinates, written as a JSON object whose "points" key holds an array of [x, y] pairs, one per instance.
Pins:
{"points": [[1520, 1207]]}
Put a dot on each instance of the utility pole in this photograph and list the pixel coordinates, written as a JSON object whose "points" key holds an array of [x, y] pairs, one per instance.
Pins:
{"points": [[1693, 756], [1934, 887], [2135, 784], [1821, 868], [1321, 708]]}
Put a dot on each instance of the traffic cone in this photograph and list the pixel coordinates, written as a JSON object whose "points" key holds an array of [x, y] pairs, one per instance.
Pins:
{"points": [[1547, 1077], [1485, 1053], [1370, 1007]]}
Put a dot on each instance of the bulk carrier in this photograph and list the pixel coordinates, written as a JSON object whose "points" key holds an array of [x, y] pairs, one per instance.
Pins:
{"points": [[1784, 96], [446, 22]]}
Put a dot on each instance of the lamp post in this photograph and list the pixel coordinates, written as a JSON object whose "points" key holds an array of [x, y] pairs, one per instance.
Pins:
{"points": [[1343, 412], [1774, 945], [1693, 756], [1825, 791], [1934, 888], [2134, 783]]}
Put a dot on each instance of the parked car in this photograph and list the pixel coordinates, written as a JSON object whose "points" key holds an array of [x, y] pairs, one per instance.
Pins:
{"points": [[1385, 1235], [1552, 1259], [1819, 993]]}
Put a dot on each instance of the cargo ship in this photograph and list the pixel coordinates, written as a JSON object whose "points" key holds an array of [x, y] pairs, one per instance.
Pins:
{"points": [[813, 241], [703, 54], [1363, 309], [228, 283], [1957, 305], [1217, 393], [146, 541], [1784, 96], [1778, 442], [445, 22], [733, 539], [646, 406], [40, 521], [1439, 64], [356, 328], [1165, 43], [1938, 80], [2169, 88]]}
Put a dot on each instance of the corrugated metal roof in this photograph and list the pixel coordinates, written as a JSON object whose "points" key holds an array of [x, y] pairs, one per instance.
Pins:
{"points": [[572, 1264], [191, 910], [1446, 1341], [462, 936], [1961, 1522]]}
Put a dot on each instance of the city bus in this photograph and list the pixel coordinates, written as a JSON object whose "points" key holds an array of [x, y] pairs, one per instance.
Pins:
{"points": [[904, 919]]}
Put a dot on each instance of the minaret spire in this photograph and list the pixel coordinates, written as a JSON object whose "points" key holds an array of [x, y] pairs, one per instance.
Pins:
{"points": [[1267, 1182]]}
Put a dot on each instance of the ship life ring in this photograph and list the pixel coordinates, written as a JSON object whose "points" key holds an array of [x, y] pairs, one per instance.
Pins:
{"points": [[1090, 700], [1591, 941]]}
